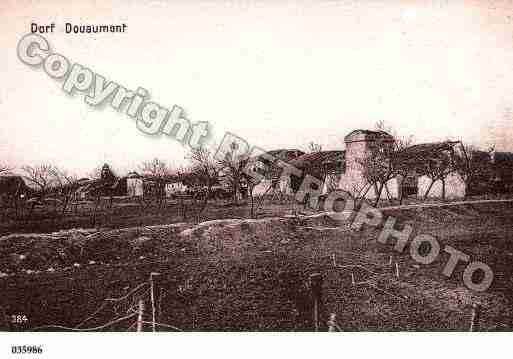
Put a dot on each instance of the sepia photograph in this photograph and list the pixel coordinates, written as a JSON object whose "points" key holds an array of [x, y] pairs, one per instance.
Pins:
{"points": [[324, 172]]}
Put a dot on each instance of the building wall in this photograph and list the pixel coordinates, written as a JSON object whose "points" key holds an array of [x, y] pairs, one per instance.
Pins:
{"points": [[284, 187], [354, 183], [356, 151], [352, 180], [393, 186], [174, 188], [454, 187], [331, 183], [135, 187], [358, 147], [262, 187]]}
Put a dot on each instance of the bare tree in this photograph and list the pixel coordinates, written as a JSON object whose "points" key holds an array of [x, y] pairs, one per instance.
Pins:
{"points": [[42, 179], [378, 169], [67, 184], [314, 147], [181, 176], [205, 174], [232, 171], [402, 167], [400, 142], [159, 173], [359, 192], [4, 168], [385, 161], [473, 166], [251, 183], [252, 175], [437, 165], [11, 191]]}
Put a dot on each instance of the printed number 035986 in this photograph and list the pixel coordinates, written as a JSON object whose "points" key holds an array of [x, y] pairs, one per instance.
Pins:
{"points": [[27, 349]]}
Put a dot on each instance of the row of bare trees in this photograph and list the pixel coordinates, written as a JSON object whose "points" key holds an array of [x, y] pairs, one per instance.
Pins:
{"points": [[49, 185], [386, 160], [234, 171]]}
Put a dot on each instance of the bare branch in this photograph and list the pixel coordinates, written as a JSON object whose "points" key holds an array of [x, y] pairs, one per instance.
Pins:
{"points": [[42, 177], [157, 173], [4, 168], [314, 147], [202, 176], [156, 168]]}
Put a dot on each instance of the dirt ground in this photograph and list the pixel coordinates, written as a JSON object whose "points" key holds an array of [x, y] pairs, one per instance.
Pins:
{"points": [[239, 274], [128, 213]]}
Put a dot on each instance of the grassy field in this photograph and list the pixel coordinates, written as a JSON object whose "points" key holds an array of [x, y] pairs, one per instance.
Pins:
{"points": [[238, 274]]}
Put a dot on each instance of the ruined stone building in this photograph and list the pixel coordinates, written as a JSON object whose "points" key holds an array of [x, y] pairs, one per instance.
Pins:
{"points": [[360, 145], [270, 168], [418, 170]]}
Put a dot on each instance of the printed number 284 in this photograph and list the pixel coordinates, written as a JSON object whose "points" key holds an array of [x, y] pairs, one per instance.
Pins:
{"points": [[19, 318]]}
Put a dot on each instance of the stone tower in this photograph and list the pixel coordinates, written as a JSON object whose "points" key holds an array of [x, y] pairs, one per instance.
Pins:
{"points": [[359, 144]]}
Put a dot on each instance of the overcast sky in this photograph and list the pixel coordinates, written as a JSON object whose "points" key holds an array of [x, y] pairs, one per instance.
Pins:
{"points": [[280, 74]]}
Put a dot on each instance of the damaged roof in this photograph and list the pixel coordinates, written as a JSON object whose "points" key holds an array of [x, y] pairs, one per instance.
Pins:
{"points": [[286, 155], [426, 150], [321, 163]]}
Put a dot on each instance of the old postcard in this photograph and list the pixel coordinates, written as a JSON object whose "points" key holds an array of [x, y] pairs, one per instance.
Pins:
{"points": [[253, 166]]}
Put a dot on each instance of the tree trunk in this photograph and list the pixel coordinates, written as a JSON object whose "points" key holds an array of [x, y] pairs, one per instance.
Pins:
{"points": [[16, 206], [360, 197], [429, 189], [378, 193], [29, 215], [389, 196], [183, 208], [204, 204], [401, 192], [162, 195], [65, 205], [401, 188], [252, 204], [40, 197], [96, 205], [443, 189], [262, 197], [235, 191]]}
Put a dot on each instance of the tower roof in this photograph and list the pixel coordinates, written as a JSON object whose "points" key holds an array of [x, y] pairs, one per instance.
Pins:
{"points": [[368, 135]]}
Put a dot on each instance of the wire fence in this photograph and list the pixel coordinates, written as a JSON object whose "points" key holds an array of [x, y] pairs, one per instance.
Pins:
{"points": [[146, 294], [139, 309], [375, 273]]}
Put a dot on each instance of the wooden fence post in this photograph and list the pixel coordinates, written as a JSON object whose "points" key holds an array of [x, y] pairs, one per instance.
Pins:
{"points": [[316, 287], [140, 316], [397, 270], [474, 323], [332, 323], [155, 297]]}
